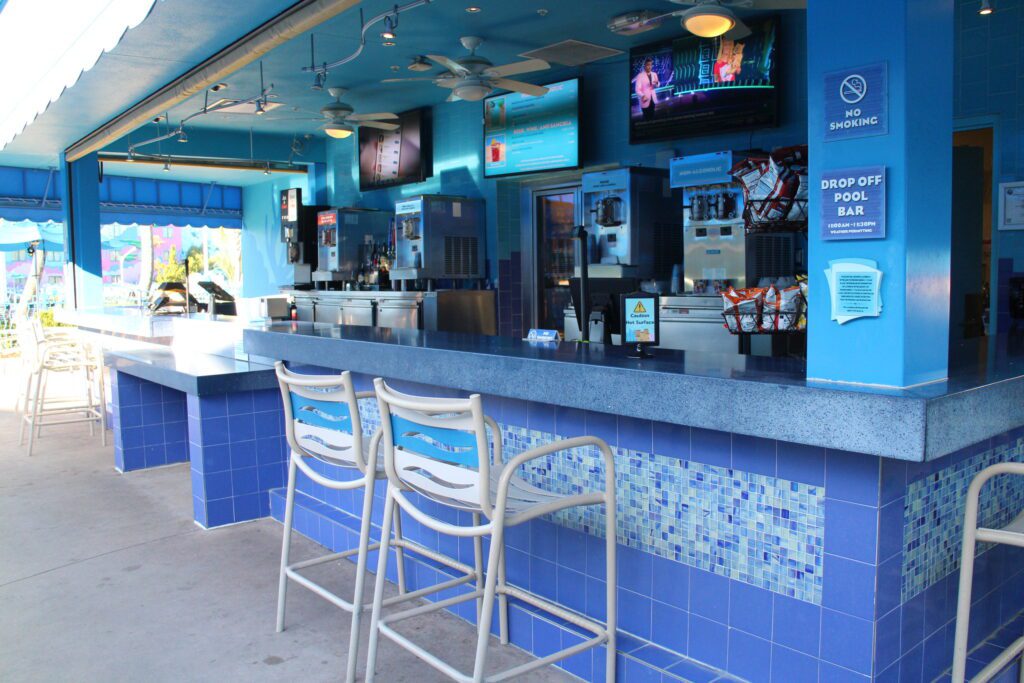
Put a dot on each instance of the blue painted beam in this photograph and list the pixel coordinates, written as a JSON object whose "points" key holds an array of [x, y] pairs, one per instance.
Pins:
{"points": [[82, 250]]}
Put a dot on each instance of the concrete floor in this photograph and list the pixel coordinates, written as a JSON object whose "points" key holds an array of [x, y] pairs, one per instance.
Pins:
{"points": [[106, 577]]}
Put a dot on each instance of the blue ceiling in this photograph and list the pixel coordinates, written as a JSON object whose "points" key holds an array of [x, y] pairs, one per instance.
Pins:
{"points": [[181, 33], [177, 35], [508, 27]]}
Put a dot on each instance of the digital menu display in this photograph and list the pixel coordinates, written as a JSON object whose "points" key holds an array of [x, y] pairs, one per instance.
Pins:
{"points": [[524, 134]]}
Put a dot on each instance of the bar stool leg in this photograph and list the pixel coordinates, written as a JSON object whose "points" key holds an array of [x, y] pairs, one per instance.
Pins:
{"points": [[478, 563], [378, 587], [502, 598], [103, 405], [357, 597], [611, 607], [35, 427], [25, 400], [399, 551], [289, 511], [90, 406], [483, 631], [963, 604]]}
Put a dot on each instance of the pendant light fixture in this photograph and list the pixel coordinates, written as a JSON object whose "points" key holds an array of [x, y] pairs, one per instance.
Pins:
{"points": [[708, 20], [986, 8]]}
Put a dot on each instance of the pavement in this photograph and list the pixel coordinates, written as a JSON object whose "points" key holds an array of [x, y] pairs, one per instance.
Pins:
{"points": [[105, 576]]}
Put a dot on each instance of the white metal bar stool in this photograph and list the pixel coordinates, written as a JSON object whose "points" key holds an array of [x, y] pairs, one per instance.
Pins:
{"points": [[1011, 534], [439, 448], [63, 353], [322, 423]]}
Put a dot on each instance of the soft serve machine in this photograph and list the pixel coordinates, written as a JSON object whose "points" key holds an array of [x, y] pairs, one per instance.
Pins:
{"points": [[632, 236], [352, 244], [439, 237]]}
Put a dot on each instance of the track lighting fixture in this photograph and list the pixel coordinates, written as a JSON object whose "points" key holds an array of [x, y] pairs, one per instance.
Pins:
{"points": [[182, 135], [167, 167], [986, 8]]}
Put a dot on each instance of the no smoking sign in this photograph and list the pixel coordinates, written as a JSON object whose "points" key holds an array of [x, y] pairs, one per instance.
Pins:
{"points": [[856, 102]]}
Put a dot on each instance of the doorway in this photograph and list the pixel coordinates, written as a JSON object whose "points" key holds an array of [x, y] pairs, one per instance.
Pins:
{"points": [[556, 212], [971, 245]]}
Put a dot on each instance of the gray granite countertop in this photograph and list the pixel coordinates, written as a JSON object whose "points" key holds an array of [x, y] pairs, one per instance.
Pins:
{"points": [[765, 397], [198, 374]]}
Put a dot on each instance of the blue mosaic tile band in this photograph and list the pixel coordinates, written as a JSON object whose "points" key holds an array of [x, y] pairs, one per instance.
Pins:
{"points": [[934, 511], [764, 531]]}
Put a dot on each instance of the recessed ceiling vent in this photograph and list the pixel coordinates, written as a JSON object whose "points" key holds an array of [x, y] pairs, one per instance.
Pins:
{"points": [[571, 53], [243, 107]]}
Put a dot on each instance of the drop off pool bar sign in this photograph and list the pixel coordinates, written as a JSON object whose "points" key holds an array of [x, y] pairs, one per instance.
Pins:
{"points": [[853, 203]]}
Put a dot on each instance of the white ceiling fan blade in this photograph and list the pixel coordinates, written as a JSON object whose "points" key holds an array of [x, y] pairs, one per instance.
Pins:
{"points": [[449, 64], [453, 98], [377, 124], [516, 68], [519, 87], [370, 117], [738, 32], [447, 82]]}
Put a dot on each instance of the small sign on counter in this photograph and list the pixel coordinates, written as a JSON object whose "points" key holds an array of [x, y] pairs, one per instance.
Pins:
{"points": [[853, 203], [855, 286], [640, 321]]}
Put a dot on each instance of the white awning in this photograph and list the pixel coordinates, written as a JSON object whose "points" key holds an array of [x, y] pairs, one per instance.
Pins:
{"points": [[46, 45]]}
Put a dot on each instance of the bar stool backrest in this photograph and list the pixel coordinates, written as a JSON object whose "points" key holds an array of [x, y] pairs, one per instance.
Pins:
{"points": [[437, 447], [322, 417]]}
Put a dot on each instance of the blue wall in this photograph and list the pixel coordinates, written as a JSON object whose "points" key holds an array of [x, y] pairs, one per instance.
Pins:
{"points": [[458, 136], [989, 92], [264, 260]]}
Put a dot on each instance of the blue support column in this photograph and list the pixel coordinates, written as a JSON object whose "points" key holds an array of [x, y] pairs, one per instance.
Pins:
{"points": [[907, 344], [82, 252]]}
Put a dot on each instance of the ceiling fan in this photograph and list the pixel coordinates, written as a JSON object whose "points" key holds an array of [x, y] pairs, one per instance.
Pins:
{"points": [[341, 118], [474, 77], [703, 18]]}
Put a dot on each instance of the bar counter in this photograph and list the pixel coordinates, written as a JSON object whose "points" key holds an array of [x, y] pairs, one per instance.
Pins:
{"points": [[770, 528], [762, 397]]}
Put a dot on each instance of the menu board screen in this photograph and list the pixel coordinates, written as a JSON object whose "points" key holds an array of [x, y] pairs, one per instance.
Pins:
{"points": [[524, 134]]}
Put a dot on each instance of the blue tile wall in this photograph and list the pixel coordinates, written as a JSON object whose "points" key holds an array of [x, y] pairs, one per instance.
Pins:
{"points": [[149, 423], [934, 511], [757, 529], [238, 453]]}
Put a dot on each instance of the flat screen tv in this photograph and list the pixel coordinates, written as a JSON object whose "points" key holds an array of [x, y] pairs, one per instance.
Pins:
{"points": [[524, 134], [398, 157], [690, 86]]}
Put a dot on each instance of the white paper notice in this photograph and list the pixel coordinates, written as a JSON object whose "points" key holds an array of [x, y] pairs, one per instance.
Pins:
{"points": [[855, 287]]}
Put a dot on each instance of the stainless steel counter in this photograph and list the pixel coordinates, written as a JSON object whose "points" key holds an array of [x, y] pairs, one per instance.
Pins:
{"points": [[470, 311]]}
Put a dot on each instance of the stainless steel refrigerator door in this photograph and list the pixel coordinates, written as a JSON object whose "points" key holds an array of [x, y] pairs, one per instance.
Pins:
{"points": [[398, 314]]}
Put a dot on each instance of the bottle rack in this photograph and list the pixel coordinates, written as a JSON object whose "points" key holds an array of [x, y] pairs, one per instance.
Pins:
{"points": [[755, 225], [751, 323]]}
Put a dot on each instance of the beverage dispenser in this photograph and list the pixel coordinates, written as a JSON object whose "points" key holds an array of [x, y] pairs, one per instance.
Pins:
{"points": [[350, 244], [299, 234], [629, 215], [439, 237]]}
